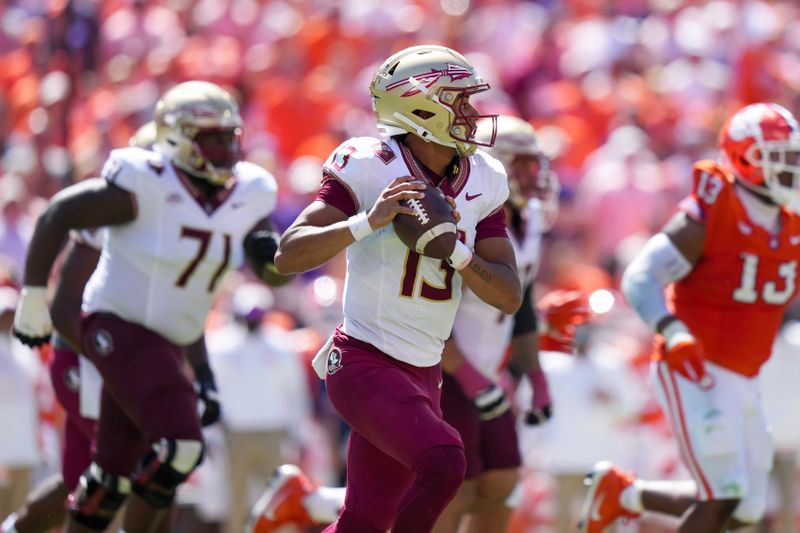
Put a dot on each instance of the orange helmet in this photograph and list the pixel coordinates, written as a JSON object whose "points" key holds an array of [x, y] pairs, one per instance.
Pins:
{"points": [[761, 144]]}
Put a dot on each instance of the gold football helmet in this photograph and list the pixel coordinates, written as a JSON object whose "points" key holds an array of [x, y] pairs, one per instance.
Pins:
{"points": [[425, 90], [145, 136], [529, 172], [199, 127]]}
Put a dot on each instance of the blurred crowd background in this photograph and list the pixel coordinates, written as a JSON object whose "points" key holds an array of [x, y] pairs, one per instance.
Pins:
{"points": [[625, 95]]}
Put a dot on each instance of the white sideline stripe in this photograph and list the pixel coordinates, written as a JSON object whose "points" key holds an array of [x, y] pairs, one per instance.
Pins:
{"points": [[428, 236], [676, 414]]}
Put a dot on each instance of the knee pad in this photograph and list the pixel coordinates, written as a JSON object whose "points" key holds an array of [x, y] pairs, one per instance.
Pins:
{"points": [[97, 497], [166, 465], [443, 467]]}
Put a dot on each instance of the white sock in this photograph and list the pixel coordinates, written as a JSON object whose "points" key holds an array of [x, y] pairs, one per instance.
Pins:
{"points": [[8, 525], [324, 504], [631, 497]]}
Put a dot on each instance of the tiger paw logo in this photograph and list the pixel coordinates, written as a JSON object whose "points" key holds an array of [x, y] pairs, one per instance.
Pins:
{"points": [[103, 342], [334, 361]]}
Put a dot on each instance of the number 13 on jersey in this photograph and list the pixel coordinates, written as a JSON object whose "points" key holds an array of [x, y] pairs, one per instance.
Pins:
{"points": [[771, 292]]}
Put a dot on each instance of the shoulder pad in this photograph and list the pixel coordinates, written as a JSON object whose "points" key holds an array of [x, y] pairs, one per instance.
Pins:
{"points": [[359, 164], [125, 166], [494, 165], [357, 154], [253, 175], [709, 181]]}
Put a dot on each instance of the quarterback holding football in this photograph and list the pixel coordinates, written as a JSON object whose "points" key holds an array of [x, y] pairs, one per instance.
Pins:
{"points": [[383, 369]]}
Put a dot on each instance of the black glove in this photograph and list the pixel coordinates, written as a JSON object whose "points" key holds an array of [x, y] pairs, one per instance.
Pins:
{"points": [[535, 417], [207, 400], [491, 402], [261, 246]]}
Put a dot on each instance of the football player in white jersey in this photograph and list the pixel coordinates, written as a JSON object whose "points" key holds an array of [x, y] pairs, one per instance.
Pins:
{"points": [[482, 335], [176, 219], [383, 364], [77, 384], [474, 356]]}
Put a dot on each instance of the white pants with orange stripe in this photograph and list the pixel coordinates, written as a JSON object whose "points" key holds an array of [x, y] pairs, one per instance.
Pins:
{"points": [[722, 434]]}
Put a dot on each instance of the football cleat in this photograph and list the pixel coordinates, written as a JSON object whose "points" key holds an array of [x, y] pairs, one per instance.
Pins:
{"points": [[602, 506], [282, 502]]}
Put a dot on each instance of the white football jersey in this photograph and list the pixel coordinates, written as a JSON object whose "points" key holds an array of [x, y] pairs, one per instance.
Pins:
{"points": [[481, 332], [398, 301], [163, 269]]}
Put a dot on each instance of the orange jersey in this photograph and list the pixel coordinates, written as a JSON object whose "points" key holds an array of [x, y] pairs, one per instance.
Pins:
{"points": [[734, 298]]}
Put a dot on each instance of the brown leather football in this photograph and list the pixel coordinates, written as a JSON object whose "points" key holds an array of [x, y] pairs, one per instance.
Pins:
{"points": [[431, 231]]}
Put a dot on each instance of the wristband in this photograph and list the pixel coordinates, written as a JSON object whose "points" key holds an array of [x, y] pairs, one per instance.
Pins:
{"points": [[359, 226], [675, 332], [461, 256]]}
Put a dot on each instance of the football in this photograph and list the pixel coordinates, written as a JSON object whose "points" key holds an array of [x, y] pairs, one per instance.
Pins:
{"points": [[431, 230]]}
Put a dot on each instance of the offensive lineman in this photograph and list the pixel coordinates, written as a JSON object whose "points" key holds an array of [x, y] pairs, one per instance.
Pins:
{"points": [[383, 367], [728, 261], [177, 219]]}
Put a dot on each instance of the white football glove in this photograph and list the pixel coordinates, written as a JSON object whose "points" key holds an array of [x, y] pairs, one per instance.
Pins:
{"points": [[32, 323]]}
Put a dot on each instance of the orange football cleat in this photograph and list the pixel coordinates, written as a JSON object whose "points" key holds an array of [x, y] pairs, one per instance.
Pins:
{"points": [[601, 506], [282, 502]]}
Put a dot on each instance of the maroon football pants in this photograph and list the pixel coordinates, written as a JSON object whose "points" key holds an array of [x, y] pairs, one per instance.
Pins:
{"points": [[404, 463], [147, 394]]}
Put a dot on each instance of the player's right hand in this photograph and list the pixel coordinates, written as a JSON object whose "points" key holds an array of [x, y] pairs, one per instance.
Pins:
{"points": [[388, 205], [684, 353], [686, 357], [562, 311], [491, 402], [32, 323]]}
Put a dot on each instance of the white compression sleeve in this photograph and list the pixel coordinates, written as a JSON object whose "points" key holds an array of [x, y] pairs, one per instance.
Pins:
{"points": [[658, 264]]}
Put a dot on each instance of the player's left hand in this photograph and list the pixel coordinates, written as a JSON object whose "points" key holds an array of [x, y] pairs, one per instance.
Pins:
{"points": [[541, 405], [207, 398], [491, 402], [207, 403], [452, 203], [32, 323]]}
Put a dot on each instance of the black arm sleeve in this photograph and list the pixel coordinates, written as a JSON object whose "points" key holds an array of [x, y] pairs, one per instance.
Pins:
{"points": [[525, 320]]}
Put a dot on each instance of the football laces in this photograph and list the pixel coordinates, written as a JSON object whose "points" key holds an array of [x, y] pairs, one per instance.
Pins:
{"points": [[419, 211]]}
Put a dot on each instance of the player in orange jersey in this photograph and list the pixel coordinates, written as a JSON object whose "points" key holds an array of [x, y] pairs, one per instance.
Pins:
{"points": [[713, 284]]}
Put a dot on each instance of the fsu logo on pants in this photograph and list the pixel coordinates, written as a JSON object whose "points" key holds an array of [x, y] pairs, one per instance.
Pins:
{"points": [[334, 361], [103, 342]]}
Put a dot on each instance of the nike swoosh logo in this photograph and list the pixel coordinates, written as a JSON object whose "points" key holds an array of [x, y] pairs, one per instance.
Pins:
{"points": [[795, 240], [595, 514], [472, 197], [440, 383]]}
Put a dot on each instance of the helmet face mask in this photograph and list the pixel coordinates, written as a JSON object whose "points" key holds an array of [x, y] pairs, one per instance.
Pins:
{"points": [[425, 91], [199, 127], [780, 165], [761, 143]]}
